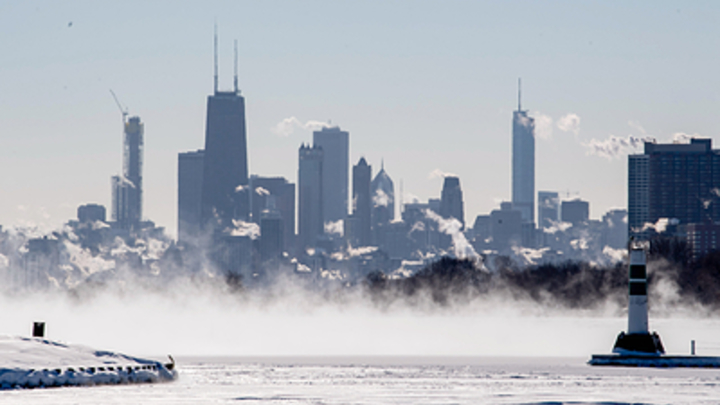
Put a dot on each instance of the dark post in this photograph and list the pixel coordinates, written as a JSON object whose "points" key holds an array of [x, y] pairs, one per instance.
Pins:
{"points": [[39, 329]]}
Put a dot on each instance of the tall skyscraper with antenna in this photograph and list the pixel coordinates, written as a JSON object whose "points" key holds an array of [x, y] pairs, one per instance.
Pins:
{"points": [[225, 170], [523, 162]]}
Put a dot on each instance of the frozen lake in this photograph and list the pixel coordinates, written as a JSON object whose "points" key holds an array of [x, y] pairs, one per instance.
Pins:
{"points": [[396, 380]]}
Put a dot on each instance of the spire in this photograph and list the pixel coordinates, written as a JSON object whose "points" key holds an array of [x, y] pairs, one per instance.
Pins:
{"points": [[382, 164], [235, 80], [519, 93], [216, 60]]}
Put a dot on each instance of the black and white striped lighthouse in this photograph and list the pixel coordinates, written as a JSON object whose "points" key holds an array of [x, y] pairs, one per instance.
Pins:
{"points": [[638, 339]]}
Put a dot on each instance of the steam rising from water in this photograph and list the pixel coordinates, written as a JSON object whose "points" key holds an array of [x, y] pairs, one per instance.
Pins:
{"points": [[288, 125]]}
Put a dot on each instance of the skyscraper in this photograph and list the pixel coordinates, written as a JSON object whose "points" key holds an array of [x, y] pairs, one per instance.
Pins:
{"points": [[638, 195], [382, 191], [523, 163], [680, 181], [575, 211], [548, 208], [362, 173], [451, 200], [336, 162], [272, 243], [283, 193], [190, 176], [127, 188], [225, 170], [310, 201]]}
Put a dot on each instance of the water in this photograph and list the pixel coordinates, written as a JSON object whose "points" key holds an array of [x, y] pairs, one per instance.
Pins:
{"points": [[397, 380]]}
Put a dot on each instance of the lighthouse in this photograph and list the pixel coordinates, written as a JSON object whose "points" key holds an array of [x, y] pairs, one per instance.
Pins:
{"points": [[638, 347], [638, 339]]}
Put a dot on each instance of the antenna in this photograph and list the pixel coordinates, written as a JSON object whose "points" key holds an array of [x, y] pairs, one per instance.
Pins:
{"points": [[124, 111], [519, 92], [216, 60], [235, 79]]}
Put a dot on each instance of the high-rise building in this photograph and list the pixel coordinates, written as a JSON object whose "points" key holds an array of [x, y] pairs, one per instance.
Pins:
{"points": [[506, 227], [575, 211], [310, 201], [638, 195], [523, 163], [451, 200], [272, 243], [190, 177], [283, 193], [548, 208], [382, 190], [615, 229], [225, 170], [680, 181], [362, 173], [91, 213], [336, 162], [127, 188]]}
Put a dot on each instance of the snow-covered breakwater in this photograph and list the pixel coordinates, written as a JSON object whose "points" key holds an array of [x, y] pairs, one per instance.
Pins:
{"points": [[39, 363]]}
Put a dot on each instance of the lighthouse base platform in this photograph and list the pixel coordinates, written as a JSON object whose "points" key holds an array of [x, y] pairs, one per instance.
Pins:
{"points": [[643, 343], [658, 361]]}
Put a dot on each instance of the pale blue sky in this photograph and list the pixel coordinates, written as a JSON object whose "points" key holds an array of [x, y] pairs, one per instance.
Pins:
{"points": [[425, 84]]}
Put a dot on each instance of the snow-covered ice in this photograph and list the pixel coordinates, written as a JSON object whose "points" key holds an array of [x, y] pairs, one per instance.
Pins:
{"points": [[397, 380], [36, 362]]}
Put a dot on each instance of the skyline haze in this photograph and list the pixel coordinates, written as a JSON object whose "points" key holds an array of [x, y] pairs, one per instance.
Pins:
{"points": [[423, 85]]}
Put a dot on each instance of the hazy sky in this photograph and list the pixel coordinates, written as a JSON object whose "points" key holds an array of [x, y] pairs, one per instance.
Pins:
{"points": [[426, 85]]}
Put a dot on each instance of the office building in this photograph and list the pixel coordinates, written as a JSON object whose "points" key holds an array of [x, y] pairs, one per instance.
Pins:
{"points": [[310, 196], [506, 227], [283, 193], [91, 213], [336, 162], [679, 181], [362, 174], [523, 163], [127, 188], [272, 231], [451, 200], [575, 211], [225, 167], [190, 177], [383, 198], [548, 208]]}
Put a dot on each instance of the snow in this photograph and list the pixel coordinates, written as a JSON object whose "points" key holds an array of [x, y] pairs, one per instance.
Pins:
{"points": [[36, 362], [397, 380]]}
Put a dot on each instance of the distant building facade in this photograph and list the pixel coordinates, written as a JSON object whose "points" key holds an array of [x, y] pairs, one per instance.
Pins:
{"points": [[310, 195], [272, 231], [127, 188], [362, 174], [523, 164], [282, 192], [506, 226], [548, 208], [190, 178], [335, 144], [382, 190], [451, 200], [575, 211], [674, 181], [703, 239], [91, 213], [225, 167]]}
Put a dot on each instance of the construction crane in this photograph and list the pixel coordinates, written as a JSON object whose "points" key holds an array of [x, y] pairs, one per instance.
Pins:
{"points": [[124, 112]]}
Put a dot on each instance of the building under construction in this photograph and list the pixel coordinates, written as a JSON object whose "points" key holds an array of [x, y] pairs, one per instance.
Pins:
{"points": [[127, 188]]}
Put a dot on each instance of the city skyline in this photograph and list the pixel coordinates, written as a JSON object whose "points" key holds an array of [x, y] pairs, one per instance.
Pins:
{"points": [[416, 119]]}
